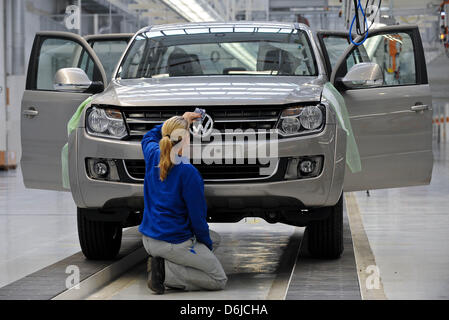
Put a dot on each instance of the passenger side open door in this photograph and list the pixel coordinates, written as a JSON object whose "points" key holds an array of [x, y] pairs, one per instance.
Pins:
{"points": [[391, 121], [46, 111]]}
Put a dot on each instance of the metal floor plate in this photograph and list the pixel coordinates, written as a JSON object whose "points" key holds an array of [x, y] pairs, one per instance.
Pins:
{"points": [[326, 279], [50, 281]]}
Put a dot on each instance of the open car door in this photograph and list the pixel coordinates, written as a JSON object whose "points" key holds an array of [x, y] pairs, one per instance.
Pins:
{"points": [[46, 111], [391, 119]]}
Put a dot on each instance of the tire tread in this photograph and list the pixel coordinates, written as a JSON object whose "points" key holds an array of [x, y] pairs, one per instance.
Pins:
{"points": [[97, 239], [325, 237]]}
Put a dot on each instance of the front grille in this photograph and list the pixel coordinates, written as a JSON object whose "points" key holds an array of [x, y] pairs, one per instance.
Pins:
{"points": [[135, 168], [214, 171], [141, 120]]}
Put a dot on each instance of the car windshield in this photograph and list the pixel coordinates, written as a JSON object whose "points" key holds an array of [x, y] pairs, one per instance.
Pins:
{"points": [[210, 51], [109, 53]]}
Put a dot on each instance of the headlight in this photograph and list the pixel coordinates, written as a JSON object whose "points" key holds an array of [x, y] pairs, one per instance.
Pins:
{"points": [[311, 117], [291, 125], [105, 123], [301, 120]]}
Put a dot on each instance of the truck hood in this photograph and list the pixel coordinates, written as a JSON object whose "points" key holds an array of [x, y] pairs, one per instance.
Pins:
{"points": [[207, 90]]}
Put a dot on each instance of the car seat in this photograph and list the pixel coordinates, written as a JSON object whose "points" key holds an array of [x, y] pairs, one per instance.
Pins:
{"points": [[277, 60], [180, 63]]}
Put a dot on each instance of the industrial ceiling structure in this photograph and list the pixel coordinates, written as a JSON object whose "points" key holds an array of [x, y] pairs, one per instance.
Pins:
{"points": [[171, 11]]}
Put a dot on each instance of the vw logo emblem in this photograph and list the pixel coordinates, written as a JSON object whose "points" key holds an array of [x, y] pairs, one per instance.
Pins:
{"points": [[203, 127]]}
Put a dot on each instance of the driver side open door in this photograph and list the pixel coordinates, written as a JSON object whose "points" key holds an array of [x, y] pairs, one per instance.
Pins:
{"points": [[46, 111]]}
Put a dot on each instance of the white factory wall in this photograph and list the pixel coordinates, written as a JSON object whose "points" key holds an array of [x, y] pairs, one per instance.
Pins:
{"points": [[2, 83], [10, 129]]}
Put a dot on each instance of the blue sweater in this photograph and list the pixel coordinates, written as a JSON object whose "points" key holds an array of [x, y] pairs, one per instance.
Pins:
{"points": [[175, 209]]}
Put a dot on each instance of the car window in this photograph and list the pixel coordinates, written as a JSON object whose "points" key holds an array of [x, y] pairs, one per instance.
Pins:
{"points": [[86, 64], [108, 51], [394, 53], [55, 54], [335, 47], [194, 52]]}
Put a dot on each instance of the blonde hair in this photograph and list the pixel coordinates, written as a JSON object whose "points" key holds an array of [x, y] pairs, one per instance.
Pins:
{"points": [[178, 124]]}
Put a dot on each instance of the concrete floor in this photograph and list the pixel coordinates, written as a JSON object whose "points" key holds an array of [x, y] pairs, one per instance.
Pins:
{"points": [[407, 229], [37, 227]]}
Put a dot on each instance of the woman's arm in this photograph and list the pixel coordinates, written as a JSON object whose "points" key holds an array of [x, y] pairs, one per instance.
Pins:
{"points": [[151, 140], [193, 194]]}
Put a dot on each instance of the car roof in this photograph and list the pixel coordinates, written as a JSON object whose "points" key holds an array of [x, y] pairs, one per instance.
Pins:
{"points": [[108, 36], [225, 24]]}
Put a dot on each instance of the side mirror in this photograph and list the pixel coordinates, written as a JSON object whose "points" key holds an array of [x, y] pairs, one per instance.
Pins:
{"points": [[75, 80], [363, 75]]}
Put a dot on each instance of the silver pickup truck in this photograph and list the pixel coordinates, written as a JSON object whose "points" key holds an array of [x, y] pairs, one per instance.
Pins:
{"points": [[258, 77]]}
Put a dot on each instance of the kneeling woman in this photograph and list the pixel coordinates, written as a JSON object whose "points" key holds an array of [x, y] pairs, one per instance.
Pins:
{"points": [[174, 227]]}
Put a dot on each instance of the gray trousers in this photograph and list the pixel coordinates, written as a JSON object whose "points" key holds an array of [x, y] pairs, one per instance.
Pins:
{"points": [[189, 265]]}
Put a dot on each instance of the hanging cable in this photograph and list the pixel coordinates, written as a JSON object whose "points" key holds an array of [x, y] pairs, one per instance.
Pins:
{"points": [[358, 8]]}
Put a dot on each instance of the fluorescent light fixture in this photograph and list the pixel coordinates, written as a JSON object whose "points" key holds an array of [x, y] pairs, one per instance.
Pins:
{"points": [[193, 11], [239, 52]]}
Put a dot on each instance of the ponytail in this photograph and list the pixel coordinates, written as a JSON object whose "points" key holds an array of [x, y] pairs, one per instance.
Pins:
{"points": [[166, 144], [165, 164]]}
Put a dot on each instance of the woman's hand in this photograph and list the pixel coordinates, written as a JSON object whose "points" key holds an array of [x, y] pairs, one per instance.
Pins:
{"points": [[190, 116]]}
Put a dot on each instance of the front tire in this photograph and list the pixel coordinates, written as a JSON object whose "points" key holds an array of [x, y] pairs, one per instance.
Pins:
{"points": [[99, 240], [325, 237]]}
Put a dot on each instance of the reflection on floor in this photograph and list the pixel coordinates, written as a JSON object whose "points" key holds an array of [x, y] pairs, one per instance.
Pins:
{"points": [[37, 228]]}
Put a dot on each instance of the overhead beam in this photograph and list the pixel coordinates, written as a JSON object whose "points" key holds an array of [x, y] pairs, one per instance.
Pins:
{"points": [[287, 4]]}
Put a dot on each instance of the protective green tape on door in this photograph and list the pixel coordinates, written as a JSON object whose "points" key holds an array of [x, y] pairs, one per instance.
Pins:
{"points": [[71, 125], [337, 102]]}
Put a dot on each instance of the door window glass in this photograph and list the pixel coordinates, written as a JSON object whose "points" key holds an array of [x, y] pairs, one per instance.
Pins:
{"points": [[87, 64], [394, 53], [56, 54], [335, 47], [109, 53]]}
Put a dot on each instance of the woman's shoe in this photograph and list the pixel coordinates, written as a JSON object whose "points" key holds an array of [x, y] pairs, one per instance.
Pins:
{"points": [[149, 270], [156, 277]]}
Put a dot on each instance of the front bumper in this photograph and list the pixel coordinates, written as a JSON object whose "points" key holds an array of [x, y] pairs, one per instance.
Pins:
{"points": [[323, 190]]}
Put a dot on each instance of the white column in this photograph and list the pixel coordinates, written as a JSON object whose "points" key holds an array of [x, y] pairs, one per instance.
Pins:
{"points": [[3, 128], [79, 18], [96, 23], [267, 3], [249, 10]]}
